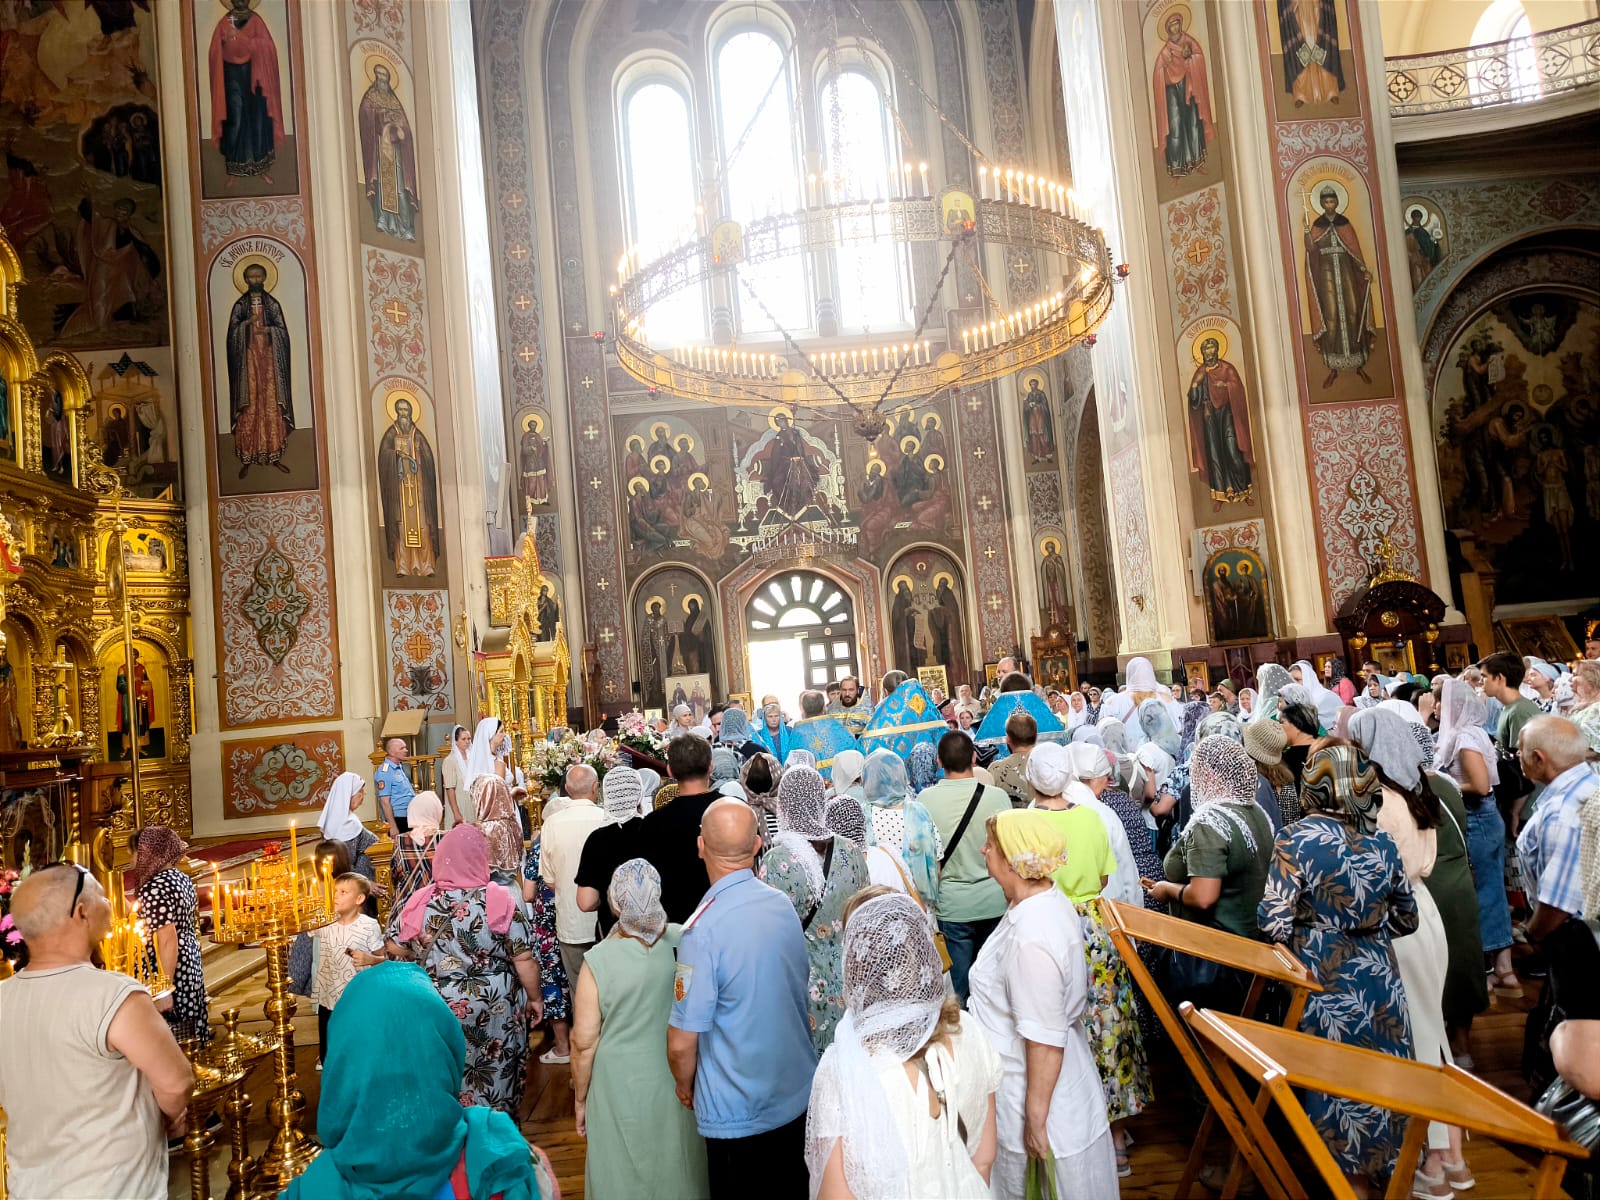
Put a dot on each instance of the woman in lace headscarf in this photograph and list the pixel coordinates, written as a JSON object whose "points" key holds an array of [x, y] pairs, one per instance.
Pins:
{"points": [[759, 777], [819, 872], [1465, 753], [1029, 985], [1217, 867], [902, 1103], [641, 1141], [724, 766], [1270, 680], [901, 824]]}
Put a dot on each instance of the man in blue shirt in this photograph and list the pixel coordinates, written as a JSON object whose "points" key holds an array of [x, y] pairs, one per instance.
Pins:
{"points": [[1554, 755], [739, 1038], [394, 787]]}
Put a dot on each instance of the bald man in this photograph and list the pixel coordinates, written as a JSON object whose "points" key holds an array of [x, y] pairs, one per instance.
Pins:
{"points": [[739, 1038], [89, 1071]]}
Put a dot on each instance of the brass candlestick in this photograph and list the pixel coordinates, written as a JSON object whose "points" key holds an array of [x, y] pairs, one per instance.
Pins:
{"points": [[209, 1086], [234, 1050], [272, 904]]}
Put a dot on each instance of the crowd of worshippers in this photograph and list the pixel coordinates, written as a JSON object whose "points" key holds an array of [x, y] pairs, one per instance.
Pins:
{"points": [[839, 957]]}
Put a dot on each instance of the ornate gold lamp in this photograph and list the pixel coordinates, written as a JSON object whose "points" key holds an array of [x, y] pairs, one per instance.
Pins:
{"points": [[210, 1085], [273, 903]]}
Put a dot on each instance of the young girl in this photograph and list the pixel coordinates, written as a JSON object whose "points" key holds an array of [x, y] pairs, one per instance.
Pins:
{"points": [[342, 947]]}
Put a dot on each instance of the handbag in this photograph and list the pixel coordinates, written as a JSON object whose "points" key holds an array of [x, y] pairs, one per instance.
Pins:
{"points": [[1578, 1116], [939, 943]]}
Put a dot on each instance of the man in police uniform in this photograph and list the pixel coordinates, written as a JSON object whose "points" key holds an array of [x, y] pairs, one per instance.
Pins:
{"points": [[394, 787]]}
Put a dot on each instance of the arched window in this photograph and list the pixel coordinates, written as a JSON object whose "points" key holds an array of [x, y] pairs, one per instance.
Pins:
{"points": [[761, 172], [873, 278], [1518, 71], [660, 195], [801, 632]]}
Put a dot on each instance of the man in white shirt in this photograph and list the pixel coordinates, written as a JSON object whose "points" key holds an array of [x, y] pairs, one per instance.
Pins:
{"points": [[561, 846], [90, 1076]]}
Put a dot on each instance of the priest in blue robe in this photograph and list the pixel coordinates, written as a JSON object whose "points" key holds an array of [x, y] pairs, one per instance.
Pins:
{"points": [[905, 717], [818, 732]]}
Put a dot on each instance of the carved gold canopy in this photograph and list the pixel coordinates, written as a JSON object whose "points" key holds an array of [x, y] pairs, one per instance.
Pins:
{"points": [[526, 679]]}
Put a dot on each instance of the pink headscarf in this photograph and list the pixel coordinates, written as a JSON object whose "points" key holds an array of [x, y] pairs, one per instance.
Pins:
{"points": [[460, 863]]}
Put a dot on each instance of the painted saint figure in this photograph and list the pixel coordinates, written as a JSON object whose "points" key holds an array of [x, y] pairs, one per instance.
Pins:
{"points": [[1341, 291], [1422, 248], [408, 493], [903, 628], [789, 474], [258, 375], [388, 158], [246, 105], [1219, 428], [549, 612], [947, 646], [57, 448], [653, 654], [1312, 73], [534, 463], [1053, 585], [1038, 425], [121, 272], [1184, 124], [133, 723]]}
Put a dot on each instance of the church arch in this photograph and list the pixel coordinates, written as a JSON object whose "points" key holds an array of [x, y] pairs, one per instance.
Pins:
{"points": [[811, 612], [674, 629]]}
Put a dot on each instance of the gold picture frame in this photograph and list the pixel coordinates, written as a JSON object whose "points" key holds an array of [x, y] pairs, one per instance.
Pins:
{"points": [[934, 677]]}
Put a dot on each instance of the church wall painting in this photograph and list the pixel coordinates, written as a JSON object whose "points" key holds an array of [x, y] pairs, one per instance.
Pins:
{"points": [[1055, 587], [133, 414], [261, 369], [408, 482], [1039, 432], [246, 109], [384, 98], [418, 643], [536, 478], [284, 774], [1313, 71], [136, 714], [1427, 237], [1344, 342], [1218, 434], [928, 624], [1189, 142], [675, 632], [1516, 406], [81, 198]]}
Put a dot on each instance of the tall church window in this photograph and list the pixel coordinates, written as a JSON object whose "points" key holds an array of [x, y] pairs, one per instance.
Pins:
{"points": [[873, 280], [761, 173], [658, 160], [1506, 21]]}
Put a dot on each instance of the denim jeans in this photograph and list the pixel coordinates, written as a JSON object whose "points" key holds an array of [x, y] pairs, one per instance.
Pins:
{"points": [[1486, 851], [963, 939]]}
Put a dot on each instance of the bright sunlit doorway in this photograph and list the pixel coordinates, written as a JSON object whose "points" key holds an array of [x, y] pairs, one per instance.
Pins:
{"points": [[802, 634]]}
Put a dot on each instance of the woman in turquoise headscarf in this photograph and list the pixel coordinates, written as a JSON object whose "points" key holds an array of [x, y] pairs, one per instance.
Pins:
{"points": [[900, 824], [392, 1125], [775, 741]]}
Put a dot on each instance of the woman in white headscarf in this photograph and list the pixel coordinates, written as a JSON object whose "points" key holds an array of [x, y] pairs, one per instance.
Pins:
{"points": [[1465, 753], [1248, 709], [482, 759], [902, 1103], [641, 1141], [1327, 703], [819, 872], [453, 774], [621, 792], [1091, 775], [845, 775], [339, 822], [649, 784], [1077, 710], [1118, 706], [1148, 773]]}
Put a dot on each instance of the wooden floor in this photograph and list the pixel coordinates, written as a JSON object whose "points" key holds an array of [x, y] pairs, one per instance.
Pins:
{"points": [[1162, 1133]]}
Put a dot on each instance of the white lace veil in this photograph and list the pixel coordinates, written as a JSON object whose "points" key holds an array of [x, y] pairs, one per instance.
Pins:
{"points": [[893, 991], [1461, 718], [1222, 773]]}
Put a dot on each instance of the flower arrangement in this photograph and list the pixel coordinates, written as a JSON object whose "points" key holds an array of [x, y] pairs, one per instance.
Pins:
{"points": [[634, 733], [549, 761], [10, 936]]}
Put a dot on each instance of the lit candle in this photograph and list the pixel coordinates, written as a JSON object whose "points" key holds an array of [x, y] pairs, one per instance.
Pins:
{"points": [[855, 364], [966, 341], [923, 168], [983, 182], [926, 358], [874, 358], [811, 190]]}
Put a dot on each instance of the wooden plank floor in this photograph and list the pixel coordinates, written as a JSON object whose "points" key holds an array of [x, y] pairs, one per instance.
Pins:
{"points": [[1163, 1133]]}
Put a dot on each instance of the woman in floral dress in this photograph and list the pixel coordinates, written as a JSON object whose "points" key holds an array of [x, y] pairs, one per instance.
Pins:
{"points": [[819, 872], [475, 940], [555, 987], [1336, 894]]}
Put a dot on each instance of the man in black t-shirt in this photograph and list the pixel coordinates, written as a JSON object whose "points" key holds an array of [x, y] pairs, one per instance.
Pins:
{"points": [[668, 839]]}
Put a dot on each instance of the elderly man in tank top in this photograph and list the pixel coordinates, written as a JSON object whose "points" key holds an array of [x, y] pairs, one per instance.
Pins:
{"points": [[90, 1076]]}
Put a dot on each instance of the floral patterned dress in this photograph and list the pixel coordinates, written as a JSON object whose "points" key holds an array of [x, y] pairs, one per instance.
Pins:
{"points": [[553, 981], [824, 929], [1111, 1021], [1335, 898], [471, 966], [1149, 865]]}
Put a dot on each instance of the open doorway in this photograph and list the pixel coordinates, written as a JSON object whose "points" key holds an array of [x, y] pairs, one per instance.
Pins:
{"points": [[802, 634]]}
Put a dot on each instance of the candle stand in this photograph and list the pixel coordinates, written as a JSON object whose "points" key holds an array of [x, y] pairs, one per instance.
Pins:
{"points": [[210, 1084], [232, 1050], [271, 905]]}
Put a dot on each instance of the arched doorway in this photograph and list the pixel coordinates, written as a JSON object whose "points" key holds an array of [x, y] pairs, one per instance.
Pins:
{"points": [[801, 633]]}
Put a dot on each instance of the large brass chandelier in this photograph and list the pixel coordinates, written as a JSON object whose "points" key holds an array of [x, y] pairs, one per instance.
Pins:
{"points": [[1022, 212]]}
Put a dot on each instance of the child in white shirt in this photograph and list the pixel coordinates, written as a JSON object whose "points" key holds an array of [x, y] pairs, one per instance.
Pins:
{"points": [[352, 941]]}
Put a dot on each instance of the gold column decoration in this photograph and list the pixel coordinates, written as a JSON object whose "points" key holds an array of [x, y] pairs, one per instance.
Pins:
{"points": [[274, 902], [381, 855], [527, 678], [210, 1085]]}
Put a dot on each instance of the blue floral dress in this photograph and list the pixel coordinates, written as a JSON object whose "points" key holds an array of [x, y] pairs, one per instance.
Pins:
{"points": [[825, 927], [471, 966], [553, 982], [1335, 897]]}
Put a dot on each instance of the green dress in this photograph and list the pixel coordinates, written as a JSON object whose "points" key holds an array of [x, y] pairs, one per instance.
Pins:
{"points": [[643, 1144], [1466, 987]]}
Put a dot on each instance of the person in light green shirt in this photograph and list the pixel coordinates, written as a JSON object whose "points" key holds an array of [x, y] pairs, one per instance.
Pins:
{"points": [[970, 903]]}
